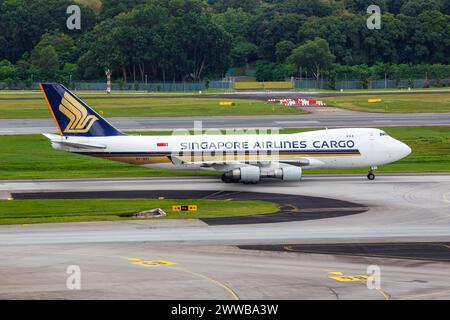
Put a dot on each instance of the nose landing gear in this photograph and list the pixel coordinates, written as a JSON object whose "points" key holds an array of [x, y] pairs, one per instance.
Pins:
{"points": [[371, 174]]}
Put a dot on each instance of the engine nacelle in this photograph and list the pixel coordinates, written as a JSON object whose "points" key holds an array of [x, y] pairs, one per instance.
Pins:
{"points": [[288, 173], [245, 174]]}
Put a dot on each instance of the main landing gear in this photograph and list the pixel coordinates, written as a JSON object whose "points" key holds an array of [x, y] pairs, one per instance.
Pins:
{"points": [[371, 174]]}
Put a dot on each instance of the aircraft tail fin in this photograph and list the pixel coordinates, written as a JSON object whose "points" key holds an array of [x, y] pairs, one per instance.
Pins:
{"points": [[72, 116]]}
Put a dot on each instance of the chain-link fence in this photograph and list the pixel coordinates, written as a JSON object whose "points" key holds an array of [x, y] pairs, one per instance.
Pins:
{"points": [[228, 85], [311, 84], [370, 84], [121, 86]]}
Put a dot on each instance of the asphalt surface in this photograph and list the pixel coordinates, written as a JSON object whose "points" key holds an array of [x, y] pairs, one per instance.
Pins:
{"points": [[123, 259], [320, 117], [427, 251], [400, 206]]}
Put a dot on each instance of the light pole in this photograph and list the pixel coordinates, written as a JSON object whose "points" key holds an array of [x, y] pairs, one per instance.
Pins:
{"points": [[108, 74]]}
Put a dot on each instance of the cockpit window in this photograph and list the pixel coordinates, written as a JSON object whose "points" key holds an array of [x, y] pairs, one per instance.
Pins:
{"points": [[383, 134]]}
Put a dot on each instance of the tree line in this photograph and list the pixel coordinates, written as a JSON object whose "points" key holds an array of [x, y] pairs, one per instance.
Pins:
{"points": [[191, 40]]}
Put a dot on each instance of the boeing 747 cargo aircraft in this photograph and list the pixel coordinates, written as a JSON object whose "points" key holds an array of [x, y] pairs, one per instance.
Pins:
{"points": [[243, 158]]}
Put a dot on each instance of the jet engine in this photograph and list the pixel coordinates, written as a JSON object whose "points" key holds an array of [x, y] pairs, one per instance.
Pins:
{"points": [[246, 175], [288, 173]]}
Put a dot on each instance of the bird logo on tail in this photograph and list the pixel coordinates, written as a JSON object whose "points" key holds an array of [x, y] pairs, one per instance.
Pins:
{"points": [[80, 121]]}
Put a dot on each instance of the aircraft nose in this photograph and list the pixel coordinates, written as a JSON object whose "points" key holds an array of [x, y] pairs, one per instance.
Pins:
{"points": [[404, 149]]}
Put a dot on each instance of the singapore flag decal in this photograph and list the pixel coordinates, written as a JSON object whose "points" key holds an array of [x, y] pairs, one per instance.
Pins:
{"points": [[162, 144]]}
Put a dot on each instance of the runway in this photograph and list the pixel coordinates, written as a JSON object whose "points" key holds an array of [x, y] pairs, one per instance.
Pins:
{"points": [[318, 118], [164, 259]]}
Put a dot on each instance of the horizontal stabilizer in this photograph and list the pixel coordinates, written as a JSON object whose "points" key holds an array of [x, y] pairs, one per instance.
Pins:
{"points": [[81, 145], [72, 144]]}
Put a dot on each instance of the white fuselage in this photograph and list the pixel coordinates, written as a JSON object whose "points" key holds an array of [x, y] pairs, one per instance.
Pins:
{"points": [[333, 148]]}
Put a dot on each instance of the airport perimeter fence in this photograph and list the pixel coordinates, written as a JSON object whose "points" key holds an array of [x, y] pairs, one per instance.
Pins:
{"points": [[325, 84], [418, 83], [370, 84], [230, 85], [130, 86]]}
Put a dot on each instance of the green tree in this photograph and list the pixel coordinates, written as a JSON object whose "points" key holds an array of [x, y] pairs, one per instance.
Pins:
{"points": [[111, 8], [23, 22], [360, 6], [44, 63], [223, 5], [270, 71], [87, 66], [314, 55], [343, 33], [318, 8], [62, 43], [386, 44], [243, 52], [7, 70], [164, 38], [428, 38], [416, 7], [235, 21], [271, 27], [68, 74], [284, 49]]}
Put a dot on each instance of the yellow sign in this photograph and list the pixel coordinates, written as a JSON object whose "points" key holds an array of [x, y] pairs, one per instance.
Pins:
{"points": [[178, 208], [374, 100], [263, 85], [226, 103]]}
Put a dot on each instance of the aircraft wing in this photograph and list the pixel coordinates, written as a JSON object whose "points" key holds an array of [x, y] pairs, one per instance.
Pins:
{"points": [[230, 165]]}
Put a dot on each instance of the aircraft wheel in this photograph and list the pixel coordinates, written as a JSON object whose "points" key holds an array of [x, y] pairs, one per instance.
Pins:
{"points": [[371, 176]]}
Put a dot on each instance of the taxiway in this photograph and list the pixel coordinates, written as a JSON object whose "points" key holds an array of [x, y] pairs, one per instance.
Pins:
{"points": [[162, 259], [325, 117]]}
